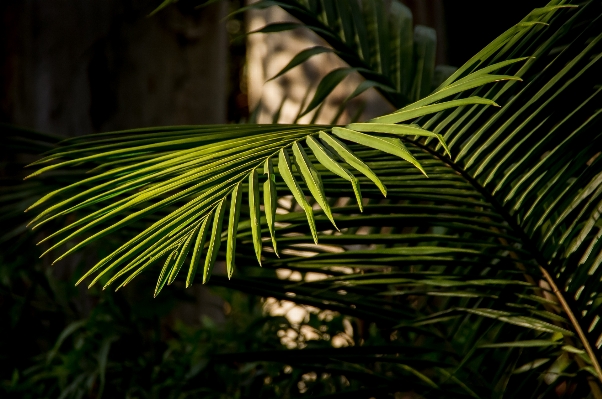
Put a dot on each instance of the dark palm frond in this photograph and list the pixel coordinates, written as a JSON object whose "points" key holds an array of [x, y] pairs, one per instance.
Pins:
{"points": [[530, 161], [20, 147]]}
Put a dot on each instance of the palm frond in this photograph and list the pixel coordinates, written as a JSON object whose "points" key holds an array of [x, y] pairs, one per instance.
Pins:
{"points": [[529, 161], [149, 173], [374, 37]]}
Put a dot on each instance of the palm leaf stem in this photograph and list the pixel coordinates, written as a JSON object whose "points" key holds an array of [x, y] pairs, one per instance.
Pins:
{"points": [[532, 248], [595, 388]]}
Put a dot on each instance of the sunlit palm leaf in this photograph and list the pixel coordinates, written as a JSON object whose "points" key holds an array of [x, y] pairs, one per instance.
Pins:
{"points": [[199, 166]]}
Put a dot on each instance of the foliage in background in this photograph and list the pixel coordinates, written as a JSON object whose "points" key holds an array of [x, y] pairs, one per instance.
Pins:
{"points": [[374, 38], [122, 351]]}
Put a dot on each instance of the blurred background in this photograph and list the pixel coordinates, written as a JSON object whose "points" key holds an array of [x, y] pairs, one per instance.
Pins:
{"points": [[74, 67]]}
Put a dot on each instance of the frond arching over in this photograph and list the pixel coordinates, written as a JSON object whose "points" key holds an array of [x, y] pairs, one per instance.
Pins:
{"points": [[189, 172]]}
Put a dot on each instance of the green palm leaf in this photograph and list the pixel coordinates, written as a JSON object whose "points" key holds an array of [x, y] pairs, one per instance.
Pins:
{"points": [[198, 167]]}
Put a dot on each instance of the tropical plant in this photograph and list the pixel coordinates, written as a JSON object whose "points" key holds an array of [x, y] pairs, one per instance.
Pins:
{"points": [[461, 231], [376, 40]]}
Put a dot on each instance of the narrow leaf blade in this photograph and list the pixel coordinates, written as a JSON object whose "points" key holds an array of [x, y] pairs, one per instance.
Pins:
{"points": [[235, 201], [312, 179], [215, 242], [348, 156], [326, 158], [198, 250], [389, 145], [286, 171], [254, 210], [270, 199]]}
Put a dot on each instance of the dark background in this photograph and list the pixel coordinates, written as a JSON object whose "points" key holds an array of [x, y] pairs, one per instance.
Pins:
{"points": [[75, 67]]}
